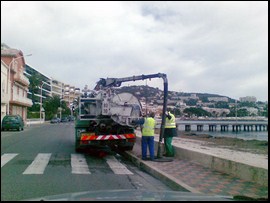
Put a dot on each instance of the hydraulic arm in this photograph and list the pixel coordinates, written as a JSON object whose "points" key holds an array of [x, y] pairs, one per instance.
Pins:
{"points": [[116, 82]]}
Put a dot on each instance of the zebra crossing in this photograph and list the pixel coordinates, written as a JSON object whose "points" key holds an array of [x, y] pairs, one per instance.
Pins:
{"points": [[78, 164], [6, 158], [38, 165]]}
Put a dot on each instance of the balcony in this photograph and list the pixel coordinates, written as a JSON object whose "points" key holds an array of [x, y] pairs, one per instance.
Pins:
{"points": [[4, 98], [66, 97], [20, 78], [21, 101], [13, 69]]}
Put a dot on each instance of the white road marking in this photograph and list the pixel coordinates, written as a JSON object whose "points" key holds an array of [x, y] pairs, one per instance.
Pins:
{"points": [[6, 158], [39, 164], [116, 166], [79, 164]]}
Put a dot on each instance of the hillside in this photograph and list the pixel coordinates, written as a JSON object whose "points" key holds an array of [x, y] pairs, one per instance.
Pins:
{"points": [[151, 93]]}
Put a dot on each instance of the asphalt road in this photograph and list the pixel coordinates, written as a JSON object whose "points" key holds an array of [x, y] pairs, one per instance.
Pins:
{"points": [[41, 161]]}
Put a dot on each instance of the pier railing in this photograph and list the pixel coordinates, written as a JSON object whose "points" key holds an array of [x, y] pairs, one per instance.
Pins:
{"points": [[220, 125]]}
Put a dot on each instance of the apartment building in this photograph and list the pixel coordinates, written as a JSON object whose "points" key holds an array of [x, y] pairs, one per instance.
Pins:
{"points": [[70, 94], [218, 99], [43, 91], [248, 99], [16, 95], [57, 88], [17, 83], [4, 91], [52, 87]]}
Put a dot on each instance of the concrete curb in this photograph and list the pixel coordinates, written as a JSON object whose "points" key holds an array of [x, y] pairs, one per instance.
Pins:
{"points": [[243, 171], [169, 180]]}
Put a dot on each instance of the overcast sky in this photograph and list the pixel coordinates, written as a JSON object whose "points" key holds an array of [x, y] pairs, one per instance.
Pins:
{"points": [[203, 47]]}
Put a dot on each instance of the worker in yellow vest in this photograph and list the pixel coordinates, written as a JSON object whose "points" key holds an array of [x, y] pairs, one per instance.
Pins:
{"points": [[148, 132], [169, 133]]}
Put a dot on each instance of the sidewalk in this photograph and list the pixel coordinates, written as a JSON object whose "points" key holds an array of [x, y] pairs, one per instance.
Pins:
{"points": [[197, 178]]}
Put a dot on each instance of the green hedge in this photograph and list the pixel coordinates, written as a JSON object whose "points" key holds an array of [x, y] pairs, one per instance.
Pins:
{"points": [[31, 114]]}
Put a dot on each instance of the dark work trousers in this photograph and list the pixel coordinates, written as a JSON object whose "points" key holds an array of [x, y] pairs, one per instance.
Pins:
{"points": [[169, 150], [169, 133], [148, 141]]}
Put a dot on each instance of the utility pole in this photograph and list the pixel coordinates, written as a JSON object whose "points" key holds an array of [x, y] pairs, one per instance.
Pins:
{"points": [[40, 110]]}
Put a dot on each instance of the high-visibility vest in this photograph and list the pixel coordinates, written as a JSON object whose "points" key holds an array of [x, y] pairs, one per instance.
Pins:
{"points": [[149, 127], [170, 123]]}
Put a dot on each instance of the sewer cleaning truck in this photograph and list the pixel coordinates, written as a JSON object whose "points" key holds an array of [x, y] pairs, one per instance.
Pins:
{"points": [[105, 119]]}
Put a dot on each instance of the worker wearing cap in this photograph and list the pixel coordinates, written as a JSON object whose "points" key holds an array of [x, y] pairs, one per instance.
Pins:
{"points": [[169, 133]]}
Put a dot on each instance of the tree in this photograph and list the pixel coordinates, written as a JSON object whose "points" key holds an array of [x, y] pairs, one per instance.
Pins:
{"points": [[204, 99], [51, 105], [264, 112], [65, 109], [222, 105], [242, 112], [247, 104], [191, 102], [35, 81], [196, 111]]}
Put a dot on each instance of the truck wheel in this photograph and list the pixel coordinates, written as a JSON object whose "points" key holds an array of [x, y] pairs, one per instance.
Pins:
{"points": [[127, 148], [77, 147]]}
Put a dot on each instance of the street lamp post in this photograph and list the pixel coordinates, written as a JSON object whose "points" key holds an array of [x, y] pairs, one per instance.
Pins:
{"points": [[60, 108], [9, 67], [41, 100]]}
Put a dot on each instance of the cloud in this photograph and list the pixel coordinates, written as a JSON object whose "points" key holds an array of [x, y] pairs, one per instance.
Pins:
{"points": [[211, 47]]}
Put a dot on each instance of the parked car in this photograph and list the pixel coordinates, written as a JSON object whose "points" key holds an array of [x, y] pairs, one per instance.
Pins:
{"points": [[71, 118], [64, 119], [55, 120], [11, 122]]}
